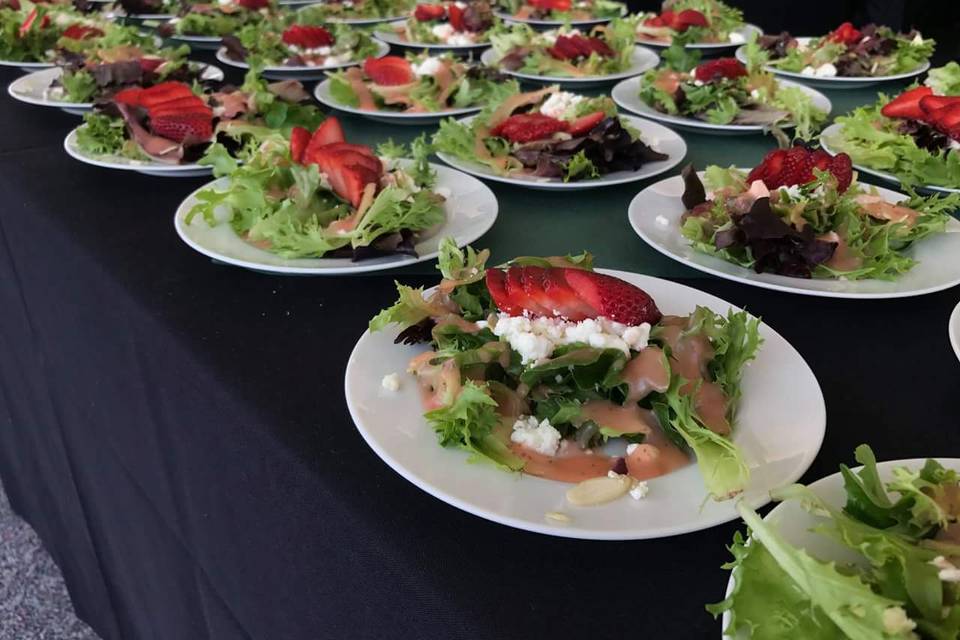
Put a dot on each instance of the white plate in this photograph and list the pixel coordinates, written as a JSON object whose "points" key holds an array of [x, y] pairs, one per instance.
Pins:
{"points": [[795, 525], [659, 137], [627, 95], [780, 428], [641, 60], [392, 38], [297, 73], [655, 215], [471, 210], [709, 48], [322, 93], [202, 43], [26, 67], [354, 21], [835, 82], [32, 88], [954, 329], [833, 131], [543, 24], [126, 164]]}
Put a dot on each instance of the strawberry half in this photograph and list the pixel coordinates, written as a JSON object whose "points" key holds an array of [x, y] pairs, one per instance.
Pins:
{"points": [[946, 119], [907, 104], [81, 32], [307, 37], [181, 127], [612, 297], [428, 12], [526, 127], [585, 124], [794, 166], [718, 69], [455, 15], [841, 166], [389, 71], [551, 5], [299, 139], [577, 46], [686, 19], [518, 294]]}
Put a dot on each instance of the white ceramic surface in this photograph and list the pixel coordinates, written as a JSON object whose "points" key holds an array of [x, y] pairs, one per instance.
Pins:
{"points": [[322, 93], [641, 60], [655, 215], [954, 329], [659, 137], [780, 427], [471, 211]]}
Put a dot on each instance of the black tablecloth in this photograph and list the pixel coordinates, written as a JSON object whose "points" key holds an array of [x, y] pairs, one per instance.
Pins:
{"points": [[176, 432]]}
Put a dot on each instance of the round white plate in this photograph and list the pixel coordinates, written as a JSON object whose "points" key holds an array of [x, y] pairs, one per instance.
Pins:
{"points": [[780, 427], [641, 60], [354, 21], [708, 48], [795, 525], [627, 95], [126, 164], [659, 137], [835, 82], [392, 38], [544, 24], [322, 93], [655, 215], [297, 73], [833, 131], [471, 211], [32, 88], [26, 67], [954, 329], [202, 43]]}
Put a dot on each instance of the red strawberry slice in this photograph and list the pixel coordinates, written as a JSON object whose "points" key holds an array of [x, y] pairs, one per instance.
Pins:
{"points": [[81, 32], [794, 166], [563, 300], [455, 14], [186, 103], [612, 297], [551, 5], [520, 297], [797, 168], [389, 71], [907, 104], [686, 19], [28, 22], [328, 132], [185, 127], [584, 124], [654, 21], [254, 5], [769, 167], [496, 281], [428, 12], [149, 65], [355, 181], [846, 33], [299, 139], [164, 92], [531, 278], [842, 169], [359, 148], [718, 69], [307, 37], [526, 127], [931, 103], [349, 158], [945, 119]]}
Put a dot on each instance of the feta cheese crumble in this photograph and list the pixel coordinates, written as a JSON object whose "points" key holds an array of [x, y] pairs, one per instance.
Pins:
{"points": [[793, 190], [826, 70], [639, 491], [541, 437], [737, 38], [557, 104], [536, 338], [429, 67], [442, 31], [460, 39], [391, 382]]}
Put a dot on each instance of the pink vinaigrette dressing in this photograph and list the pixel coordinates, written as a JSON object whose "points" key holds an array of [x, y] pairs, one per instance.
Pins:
{"points": [[646, 372]]}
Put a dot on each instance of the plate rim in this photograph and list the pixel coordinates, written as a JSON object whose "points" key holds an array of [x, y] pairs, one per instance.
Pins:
{"points": [[564, 531], [837, 81], [170, 169], [749, 27], [324, 85], [635, 70], [220, 54], [506, 17], [953, 329], [390, 39]]}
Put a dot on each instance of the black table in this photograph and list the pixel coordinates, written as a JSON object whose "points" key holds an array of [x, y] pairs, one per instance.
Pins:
{"points": [[176, 432]]}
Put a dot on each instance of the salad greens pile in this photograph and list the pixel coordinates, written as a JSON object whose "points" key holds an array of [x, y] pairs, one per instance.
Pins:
{"points": [[900, 583], [722, 20], [79, 83], [332, 11], [945, 80], [488, 385], [263, 41], [561, 11], [215, 23], [35, 44], [287, 208], [805, 217]]}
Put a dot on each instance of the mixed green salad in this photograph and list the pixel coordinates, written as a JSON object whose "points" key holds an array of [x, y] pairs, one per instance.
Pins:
{"points": [[218, 19], [565, 52], [455, 24], [915, 152], [419, 83], [724, 91], [547, 134], [535, 364], [898, 577], [280, 43], [809, 220], [319, 196], [354, 10], [697, 21], [563, 11]]}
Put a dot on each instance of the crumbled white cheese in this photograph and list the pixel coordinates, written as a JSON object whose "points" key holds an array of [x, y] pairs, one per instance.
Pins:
{"points": [[442, 31], [632, 447], [347, 4], [917, 40], [391, 382], [558, 104], [541, 437], [826, 70], [430, 66], [793, 190], [948, 571], [698, 83], [808, 71], [445, 193], [342, 58], [461, 38], [755, 94], [536, 338], [737, 38], [896, 622], [639, 491], [954, 144], [802, 44]]}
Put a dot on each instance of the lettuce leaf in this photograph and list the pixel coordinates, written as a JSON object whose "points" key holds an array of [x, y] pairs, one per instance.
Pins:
{"points": [[945, 80]]}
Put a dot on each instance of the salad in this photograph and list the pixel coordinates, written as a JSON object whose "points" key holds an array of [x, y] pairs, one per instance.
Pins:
{"points": [[724, 91], [172, 124], [915, 136], [354, 10], [565, 52], [458, 24], [846, 52], [564, 11], [799, 214], [699, 21], [300, 45], [320, 196], [50, 33], [218, 19], [420, 83], [547, 133], [545, 366], [898, 580]]}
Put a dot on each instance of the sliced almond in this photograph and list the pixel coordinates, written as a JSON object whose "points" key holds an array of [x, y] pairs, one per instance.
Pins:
{"points": [[599, 490], [558, 516]]}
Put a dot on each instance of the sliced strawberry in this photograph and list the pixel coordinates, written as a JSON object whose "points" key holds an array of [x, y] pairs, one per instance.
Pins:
{"points": [[188, 127], [931, 103], [797, 168], [821, 160], [389, 71], [585, 124], [351, 158], [654, 21], [551, 5], [842, 169], [428, 12], [846, 33], [563, 300], [164, 92], [355, 181], [520, 297], [497, 286], [177, 105], [307, 37], [455, 15], [328, 132], [299, 139], [531, 278], [149, 65], [359, 148], [81, 32], [28, 22], [612, 297], [907, 104], [686, 19], [526, 127], [945, 119], [254, 5], [718, 69]]}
